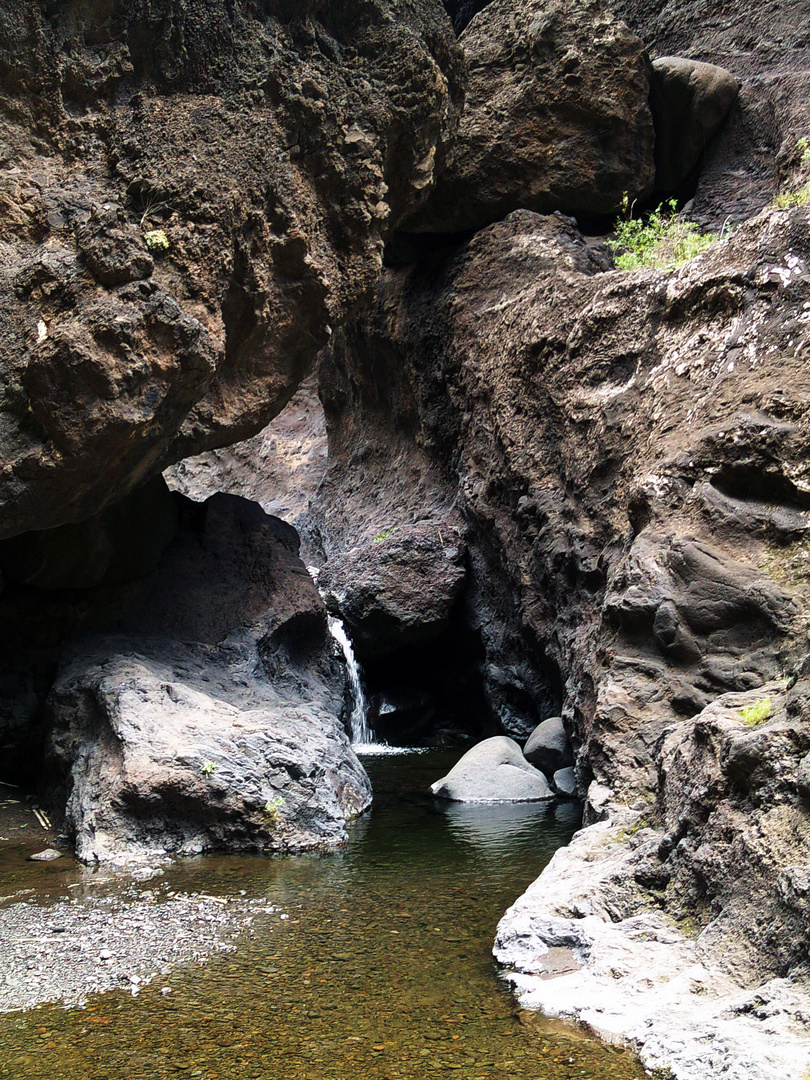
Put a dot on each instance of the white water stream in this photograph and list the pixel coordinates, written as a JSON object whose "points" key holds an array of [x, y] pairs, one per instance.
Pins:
{"points": [[361, 733]]}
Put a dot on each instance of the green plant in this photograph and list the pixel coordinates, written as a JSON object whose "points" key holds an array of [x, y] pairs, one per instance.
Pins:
{"points": [[385, 534], [271, 809], [662, 241], [756, 713], [156, 241], [208, 768], [788, 199]]}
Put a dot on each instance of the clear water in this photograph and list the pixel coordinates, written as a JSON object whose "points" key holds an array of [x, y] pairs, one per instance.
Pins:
{"points": [[382, 971]]}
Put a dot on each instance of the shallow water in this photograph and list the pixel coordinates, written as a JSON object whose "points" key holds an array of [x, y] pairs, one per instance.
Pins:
{"points": [[383, 969]]}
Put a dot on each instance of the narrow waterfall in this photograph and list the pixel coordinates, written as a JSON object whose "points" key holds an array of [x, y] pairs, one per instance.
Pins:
{"points": [[361, 733]]}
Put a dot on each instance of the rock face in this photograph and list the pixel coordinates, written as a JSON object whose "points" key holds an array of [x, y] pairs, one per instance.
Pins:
{"points": [[180, 756], [762, 45], [689, 102], [275, 149], [556, 117], [201, 710], [715, 986], [631, 463], [280, 468], [398, 591], [493, 771]]}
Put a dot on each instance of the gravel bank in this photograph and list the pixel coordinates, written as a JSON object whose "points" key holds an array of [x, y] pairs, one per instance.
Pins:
{"points": [[77, 947]]}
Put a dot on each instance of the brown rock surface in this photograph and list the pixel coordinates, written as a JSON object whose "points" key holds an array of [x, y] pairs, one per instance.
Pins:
{"points": [[556, 117], [275, 146]]}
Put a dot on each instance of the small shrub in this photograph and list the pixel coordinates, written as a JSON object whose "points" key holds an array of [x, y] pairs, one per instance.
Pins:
{"points": [[156, 241], [208, 768], [661, 242], [803, 146], [788, 199], [756, 713], [271, 810]]}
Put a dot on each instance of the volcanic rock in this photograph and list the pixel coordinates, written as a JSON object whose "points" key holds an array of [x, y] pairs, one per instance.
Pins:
{"points": [[275, 149], [689, 102], [556, 117]]}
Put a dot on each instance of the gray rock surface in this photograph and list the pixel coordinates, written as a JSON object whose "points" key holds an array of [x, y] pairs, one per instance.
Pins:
{"points": [[689, 101], [493, 771], [556, 117], [207, 713], [179, 755], [564, 782], [548, 747]]}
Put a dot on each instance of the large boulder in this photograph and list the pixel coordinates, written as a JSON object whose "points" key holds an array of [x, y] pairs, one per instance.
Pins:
{"points": [[198, 708], [493, 771], [689, 102], [557, 117], [397, 591], [182, 753], [191, 198], [548, 747]]}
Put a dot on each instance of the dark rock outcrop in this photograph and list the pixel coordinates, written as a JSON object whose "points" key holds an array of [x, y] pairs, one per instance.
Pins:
{"points": [[398, 591], [190, 200], [689, 101], [763, 45], [556, 118]]}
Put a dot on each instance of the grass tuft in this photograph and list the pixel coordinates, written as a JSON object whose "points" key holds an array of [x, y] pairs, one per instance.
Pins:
{"points": [[756, 713], [662, 241]]}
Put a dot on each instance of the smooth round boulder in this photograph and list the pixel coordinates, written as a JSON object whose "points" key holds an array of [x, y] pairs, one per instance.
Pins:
{"points": [[565, 783], [548, 747], [493, 771], [689, 102]]}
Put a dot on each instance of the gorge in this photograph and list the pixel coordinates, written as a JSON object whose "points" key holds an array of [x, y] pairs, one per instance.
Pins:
{"points": [[528, 483]]}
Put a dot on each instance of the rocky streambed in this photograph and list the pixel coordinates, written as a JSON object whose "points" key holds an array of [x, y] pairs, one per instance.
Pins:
{"points": [[383, 967]]}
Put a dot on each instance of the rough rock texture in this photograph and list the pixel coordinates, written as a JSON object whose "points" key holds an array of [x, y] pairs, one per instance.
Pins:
{"points": [[548, 747], [689, 101], [275, 145], [179, 754], [687, 920], [199, 708], [280, 468], [556, 118], [765, 46], [397, 591], [493, 771], [631, 460]]}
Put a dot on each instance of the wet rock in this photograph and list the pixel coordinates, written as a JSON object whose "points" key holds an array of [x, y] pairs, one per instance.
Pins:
{"points": [[556, 117], [689, 101], [48, 855], [548, 747], [493, 771]]}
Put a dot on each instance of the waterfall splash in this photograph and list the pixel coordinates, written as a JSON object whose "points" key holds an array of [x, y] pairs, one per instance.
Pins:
{"points": [[361, 733]]}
